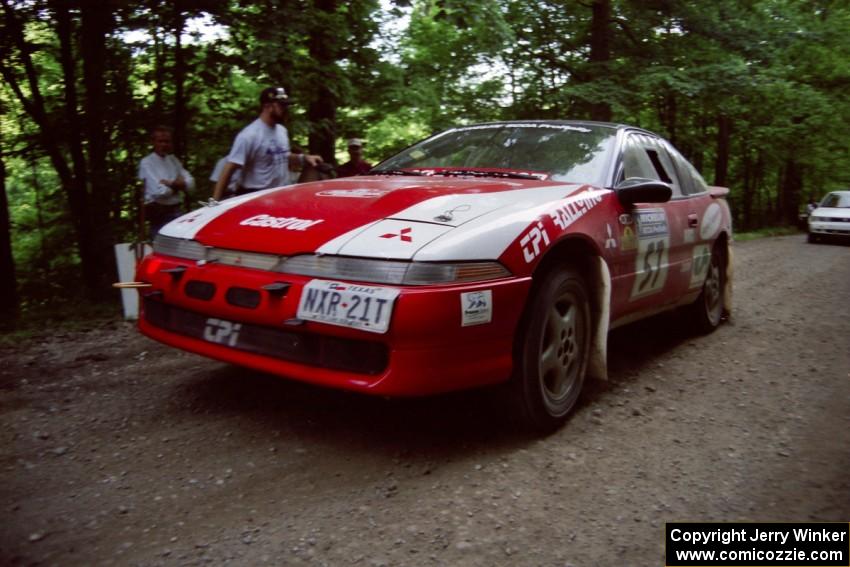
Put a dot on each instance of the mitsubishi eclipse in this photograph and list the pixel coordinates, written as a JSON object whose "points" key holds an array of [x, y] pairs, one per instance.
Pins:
{"points": [[493, 253]]}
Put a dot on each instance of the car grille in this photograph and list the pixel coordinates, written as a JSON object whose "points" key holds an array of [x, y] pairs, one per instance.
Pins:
{"points": [[350, 355]]}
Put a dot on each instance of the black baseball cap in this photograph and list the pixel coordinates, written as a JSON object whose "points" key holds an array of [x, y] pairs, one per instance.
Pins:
{"points": [[275, 94]]}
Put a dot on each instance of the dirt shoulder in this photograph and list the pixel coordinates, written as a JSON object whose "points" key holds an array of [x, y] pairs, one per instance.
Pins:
{"points": [[117, 450]]}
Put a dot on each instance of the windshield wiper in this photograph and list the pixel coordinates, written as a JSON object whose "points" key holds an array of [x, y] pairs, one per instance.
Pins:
{"points": [[396, 172], [477, 173]]}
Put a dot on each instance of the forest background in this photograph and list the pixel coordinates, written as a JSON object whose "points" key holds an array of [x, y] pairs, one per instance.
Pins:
{"points": [[753, 92]]}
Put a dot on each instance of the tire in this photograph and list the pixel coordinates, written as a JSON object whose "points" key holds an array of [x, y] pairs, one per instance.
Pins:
{"points": [[553, 346], [812, 238], [707, 311]]}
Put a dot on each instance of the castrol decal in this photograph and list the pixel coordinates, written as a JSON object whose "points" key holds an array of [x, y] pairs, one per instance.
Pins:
{"points": [[288, 223]]}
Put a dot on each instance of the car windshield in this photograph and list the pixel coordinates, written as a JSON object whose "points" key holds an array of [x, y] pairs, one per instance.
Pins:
{"points": [[564, 152], [836, 201]]}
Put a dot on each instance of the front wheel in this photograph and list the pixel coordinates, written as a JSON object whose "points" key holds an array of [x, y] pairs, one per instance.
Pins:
{"points": [[552, 350]]}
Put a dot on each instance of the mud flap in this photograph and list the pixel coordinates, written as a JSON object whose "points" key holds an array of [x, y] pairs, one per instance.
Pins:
{"points": [[597, 366], [727, 288]]}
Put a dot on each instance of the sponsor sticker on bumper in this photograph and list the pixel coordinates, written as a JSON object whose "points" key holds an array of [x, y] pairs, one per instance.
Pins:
{"points": [[368, 308]]}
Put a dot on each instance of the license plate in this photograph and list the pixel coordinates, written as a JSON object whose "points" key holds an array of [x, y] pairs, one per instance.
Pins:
{"points": [[363, 307]]}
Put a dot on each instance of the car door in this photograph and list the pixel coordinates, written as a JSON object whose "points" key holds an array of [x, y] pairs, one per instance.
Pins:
{"points": [[651, 264], [705, 217]]}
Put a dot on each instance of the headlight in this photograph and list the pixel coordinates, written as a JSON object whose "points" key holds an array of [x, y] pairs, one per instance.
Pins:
{"points": [[392, 271], [336, 267], [193, 250], [179, 247]]}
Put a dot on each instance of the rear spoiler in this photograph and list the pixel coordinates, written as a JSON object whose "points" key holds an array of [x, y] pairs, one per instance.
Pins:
{"points": [[718, 192]]}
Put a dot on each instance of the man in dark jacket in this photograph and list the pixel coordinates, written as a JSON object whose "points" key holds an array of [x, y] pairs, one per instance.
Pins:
{"points": [[356, 165]]}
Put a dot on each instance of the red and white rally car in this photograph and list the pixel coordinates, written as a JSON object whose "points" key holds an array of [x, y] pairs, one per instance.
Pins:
{"points": [[499, 252]]}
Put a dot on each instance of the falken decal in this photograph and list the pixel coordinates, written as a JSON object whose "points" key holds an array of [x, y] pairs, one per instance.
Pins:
{"points": [[574, 209], [653, 254], [288, 223], [476, 307], [536, 239]]}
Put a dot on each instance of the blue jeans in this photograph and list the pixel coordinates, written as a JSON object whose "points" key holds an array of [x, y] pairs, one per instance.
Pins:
{"points": [[160, 215]]}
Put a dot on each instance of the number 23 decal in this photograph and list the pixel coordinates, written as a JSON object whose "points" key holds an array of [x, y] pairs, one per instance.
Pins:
{"points": [[651, 266]]}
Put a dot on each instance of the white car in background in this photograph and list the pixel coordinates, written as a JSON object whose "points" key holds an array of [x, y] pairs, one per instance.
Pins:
{"points": [[831, 217]]}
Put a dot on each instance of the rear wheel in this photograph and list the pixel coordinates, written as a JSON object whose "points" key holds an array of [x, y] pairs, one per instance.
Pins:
{"points": [[707, 311], [552, 351]]}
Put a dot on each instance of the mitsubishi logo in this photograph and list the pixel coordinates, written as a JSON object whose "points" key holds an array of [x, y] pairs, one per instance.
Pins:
{"points": [[402, 235]]}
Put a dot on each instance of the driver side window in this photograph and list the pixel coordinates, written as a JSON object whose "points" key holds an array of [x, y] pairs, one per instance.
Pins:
{"points": [[644, 157], [636, 162]]}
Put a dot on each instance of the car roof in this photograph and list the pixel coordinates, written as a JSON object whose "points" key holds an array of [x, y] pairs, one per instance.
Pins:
{"points": [[612, 125]]}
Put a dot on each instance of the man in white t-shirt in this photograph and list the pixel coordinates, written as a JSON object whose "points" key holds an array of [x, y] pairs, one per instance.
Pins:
{"points": [[164, 178], [261, 150]]}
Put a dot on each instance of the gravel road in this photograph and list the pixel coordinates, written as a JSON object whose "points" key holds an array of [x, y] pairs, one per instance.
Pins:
{"points": [[115, 450]]}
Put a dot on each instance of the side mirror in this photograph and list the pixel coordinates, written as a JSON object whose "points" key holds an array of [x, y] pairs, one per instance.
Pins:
{"points": [[639, 190]]}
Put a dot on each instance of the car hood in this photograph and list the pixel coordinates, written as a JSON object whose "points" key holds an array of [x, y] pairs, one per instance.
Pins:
{"points": [[832, 212], [379, 216]]}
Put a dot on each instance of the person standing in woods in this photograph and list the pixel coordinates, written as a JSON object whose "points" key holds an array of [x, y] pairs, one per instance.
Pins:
{"points": [[262, 151], [164, 178], [356, 165]]}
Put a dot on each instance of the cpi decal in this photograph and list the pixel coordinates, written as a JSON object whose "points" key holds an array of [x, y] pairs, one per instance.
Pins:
{"points": [[653, 252], [534, 242], [476, 307], [222, 332], [711, 220], [288, 223]]}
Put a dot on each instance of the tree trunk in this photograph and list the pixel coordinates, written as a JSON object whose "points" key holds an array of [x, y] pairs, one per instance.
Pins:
{"points": [[80, 208], [180, 117], [8, 281], [159, 73], [600, 54], [669, 115], [749, 188], [788, 198], [721, 163], [322, 110], [96, 24]]}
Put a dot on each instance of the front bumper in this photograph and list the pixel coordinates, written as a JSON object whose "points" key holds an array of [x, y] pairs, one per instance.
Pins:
{"points": [[425, 351], [832, 227]]}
